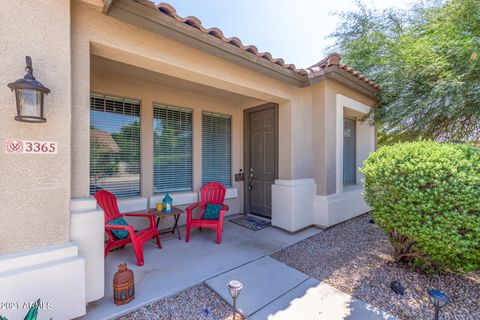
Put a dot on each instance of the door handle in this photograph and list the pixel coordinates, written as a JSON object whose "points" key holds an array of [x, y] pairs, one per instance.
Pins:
{"points": [[250, 179]]}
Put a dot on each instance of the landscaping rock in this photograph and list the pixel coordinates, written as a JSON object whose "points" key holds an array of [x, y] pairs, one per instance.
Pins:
{"points": [[356, 257], [198, 302]]}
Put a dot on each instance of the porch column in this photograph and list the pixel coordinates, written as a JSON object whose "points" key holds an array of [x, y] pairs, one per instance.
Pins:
{"points": [[146, 148], [293, 192], [86, 227], [80, 115], [197, 149]]}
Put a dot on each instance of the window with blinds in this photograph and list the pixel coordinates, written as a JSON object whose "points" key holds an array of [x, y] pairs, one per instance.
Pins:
{"points": [[216, 148], [172, 149], [114, 145], [349, 151]]}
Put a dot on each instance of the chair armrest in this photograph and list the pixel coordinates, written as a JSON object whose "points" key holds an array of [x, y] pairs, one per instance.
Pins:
{"points": [[117, 227], [148, 215], [128, 228], [193, 206], [138, 214], [225, 207], [189, 211]]}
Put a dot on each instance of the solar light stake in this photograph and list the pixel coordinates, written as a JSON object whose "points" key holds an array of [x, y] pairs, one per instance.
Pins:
{"points": [[438, 299], [234, 288]]}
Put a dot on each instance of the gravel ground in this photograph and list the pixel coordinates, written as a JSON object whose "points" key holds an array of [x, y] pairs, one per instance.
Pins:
{"points": [[356, 258], [199, 303]]}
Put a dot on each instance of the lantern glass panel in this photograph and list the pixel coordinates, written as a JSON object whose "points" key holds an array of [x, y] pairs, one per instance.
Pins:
{"points": [[30, 103]]}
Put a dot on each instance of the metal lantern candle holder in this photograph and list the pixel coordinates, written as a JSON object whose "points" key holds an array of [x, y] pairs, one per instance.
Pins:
{"points": [[123, 285], [438, 299], [234, 288], [167, 204], [29, 96]]}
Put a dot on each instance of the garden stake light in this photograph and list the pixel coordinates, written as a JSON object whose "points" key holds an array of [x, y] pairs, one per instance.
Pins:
{"points": [[234, 288], [438, 299]]}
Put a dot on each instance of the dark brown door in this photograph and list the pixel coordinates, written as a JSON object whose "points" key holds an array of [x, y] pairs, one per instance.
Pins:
{"points": [[261, 159]]}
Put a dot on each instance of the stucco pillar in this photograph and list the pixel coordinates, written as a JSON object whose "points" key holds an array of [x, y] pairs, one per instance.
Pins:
{"points": [[293, 192], [197, 149], [319, 140], [80, 115], [146, 149], [285, 140]]}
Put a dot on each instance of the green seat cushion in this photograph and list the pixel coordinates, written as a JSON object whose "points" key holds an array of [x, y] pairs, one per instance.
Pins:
{"points": [[120, 234], [212, 211]]}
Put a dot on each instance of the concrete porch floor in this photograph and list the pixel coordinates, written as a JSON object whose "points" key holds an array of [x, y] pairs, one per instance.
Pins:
{"points": [[180, 265]]}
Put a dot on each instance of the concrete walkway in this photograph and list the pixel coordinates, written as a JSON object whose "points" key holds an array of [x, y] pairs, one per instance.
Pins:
{"points": [[275, 291], [181, 265]]}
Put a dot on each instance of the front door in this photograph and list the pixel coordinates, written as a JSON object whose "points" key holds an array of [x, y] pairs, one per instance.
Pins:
{"points": [[261, 151]]}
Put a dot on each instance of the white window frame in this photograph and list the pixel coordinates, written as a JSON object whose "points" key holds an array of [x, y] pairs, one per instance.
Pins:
{"points": [[343, 102]]}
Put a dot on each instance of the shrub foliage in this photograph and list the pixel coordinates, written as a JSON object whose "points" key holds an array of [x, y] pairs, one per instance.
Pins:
{"points": [[426, 197]]}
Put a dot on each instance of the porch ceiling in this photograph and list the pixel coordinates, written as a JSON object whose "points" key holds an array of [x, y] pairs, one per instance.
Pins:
{"points": [[102, 66]]}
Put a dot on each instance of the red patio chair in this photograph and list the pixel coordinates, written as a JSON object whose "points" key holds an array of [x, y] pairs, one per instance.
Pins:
{"points": [[213, 193], [108, 202]]}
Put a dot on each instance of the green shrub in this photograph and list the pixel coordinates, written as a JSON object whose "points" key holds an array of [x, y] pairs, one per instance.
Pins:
{"points": [[426, 197]]}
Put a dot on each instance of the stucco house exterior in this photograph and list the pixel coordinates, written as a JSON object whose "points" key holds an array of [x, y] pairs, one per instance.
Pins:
{"points": [[144, 102]]}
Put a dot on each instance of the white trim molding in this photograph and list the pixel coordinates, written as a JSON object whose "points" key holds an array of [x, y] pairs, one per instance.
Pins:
{"points": [[343, 102], [87, 230], [292, 203], [335, 208], [54, 274]]}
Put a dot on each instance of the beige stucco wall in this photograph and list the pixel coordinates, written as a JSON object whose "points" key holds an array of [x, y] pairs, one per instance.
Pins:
{"points": [[150, 93], [95, 33], [35, 189], [319, 136]]}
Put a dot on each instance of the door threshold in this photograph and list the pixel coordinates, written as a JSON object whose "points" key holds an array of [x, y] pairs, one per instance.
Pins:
{"points": [[258, 216]]}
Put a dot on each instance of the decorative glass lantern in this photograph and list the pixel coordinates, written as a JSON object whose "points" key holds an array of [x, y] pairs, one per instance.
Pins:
{"points": [[167, 204], [123, 285], [234, 288], [29, 96]]}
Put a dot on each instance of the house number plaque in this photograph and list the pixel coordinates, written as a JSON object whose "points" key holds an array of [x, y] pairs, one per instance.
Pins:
{"points": [[30, 146]]}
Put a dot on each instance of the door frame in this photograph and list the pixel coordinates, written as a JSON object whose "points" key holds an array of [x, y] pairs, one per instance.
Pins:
{"points": [[246, 149]]}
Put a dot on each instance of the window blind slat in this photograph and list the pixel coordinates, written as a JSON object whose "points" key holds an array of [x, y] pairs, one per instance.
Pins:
{"points": [[216, 148], [114, 145], [172, 152], [349, 150]]}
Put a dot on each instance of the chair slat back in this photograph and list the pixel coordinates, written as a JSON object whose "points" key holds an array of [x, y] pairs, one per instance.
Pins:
{"points": [[212, 192], [108, 202]]}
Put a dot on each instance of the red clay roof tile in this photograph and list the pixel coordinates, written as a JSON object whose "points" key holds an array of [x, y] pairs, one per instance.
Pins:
{"points": [[317, 69], [333, 60]]}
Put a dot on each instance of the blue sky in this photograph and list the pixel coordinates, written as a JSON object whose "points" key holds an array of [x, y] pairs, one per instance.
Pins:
{"points": [[295, 30]]}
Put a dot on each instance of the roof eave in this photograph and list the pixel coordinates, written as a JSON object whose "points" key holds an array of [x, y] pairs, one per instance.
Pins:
{"points": [[342, 76], [107, 4], [148, 18]]}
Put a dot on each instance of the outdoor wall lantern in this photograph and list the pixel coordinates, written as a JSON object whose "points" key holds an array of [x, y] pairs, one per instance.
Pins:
{"points": [[438, 299], [29, 96], [234, 288]]}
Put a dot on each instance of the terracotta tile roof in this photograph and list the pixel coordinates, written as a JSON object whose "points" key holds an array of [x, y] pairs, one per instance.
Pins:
{"points": [[194, 22], [333, 60], [318, 69], [104, 141]]}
